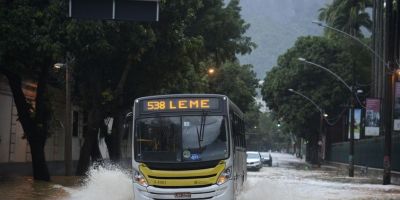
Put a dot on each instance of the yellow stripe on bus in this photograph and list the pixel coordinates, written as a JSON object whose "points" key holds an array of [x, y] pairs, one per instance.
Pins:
{"points": [[166, 178]]}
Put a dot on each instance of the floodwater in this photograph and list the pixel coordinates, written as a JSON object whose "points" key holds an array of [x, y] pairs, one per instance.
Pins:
{"points": [[26, 188], [286, 180], [102, 183]]}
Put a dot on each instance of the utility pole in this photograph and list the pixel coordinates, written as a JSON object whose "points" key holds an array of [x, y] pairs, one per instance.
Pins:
{"points": [[390, 24], [321, 127], [67, 124], [351, 125], [68, 134]]}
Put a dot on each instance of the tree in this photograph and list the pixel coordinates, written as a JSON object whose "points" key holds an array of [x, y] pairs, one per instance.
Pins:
{"points": [[301, 116], [275, 138], [102, 69], [127, 60], [28, 48], [114, 60], [238, 82], [348, 16]]}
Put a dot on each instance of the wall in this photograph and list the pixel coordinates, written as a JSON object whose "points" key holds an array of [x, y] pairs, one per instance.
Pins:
{"points": [[367, 152], [13, 147]]}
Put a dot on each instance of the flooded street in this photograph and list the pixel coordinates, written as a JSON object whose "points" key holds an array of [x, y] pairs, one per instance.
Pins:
{"points": [[26, 188], [292, 179], [101, 184], [288, 179]]}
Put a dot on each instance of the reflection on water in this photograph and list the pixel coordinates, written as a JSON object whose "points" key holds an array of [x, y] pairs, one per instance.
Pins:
{"points": [[107, 182], [26, 188]]}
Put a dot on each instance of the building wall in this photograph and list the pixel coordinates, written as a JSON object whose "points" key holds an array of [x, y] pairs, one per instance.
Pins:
{"points": [[14, 147], [367, 152], [5, 125]]}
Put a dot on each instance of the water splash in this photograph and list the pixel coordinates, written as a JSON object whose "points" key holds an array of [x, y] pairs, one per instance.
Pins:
{"points": [[104, 183]]}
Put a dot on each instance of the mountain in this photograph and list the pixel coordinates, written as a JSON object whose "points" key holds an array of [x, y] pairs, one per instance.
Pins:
{"points": [[274, 27]]}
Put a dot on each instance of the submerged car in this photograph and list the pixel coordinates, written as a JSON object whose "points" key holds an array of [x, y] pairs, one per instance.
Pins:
{"points": [[254, 160]]}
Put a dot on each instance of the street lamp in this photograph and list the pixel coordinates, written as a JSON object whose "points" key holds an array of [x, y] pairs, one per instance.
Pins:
{"points": [[352, 37], [67, 125], [388, 101], [304, 96], [323, 115], [353, 97], [211, 71]]}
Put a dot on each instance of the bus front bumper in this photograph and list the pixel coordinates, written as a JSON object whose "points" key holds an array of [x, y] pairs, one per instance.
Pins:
{"points": [[215, 192]]}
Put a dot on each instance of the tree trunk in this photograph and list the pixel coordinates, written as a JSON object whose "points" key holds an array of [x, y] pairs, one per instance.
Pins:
{"points": [[90, 149], [113, 141], [35, 138], [115, 153], [89, 152], [312, 149], [40, 170]]}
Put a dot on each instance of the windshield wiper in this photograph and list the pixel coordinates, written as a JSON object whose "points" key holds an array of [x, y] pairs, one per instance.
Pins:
{"points": [[200, 133]]}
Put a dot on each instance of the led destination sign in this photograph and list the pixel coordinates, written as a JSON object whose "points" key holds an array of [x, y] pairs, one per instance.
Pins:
{"points": [[180, 104]]}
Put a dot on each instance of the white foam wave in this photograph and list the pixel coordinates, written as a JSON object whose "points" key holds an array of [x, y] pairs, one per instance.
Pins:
{"points": [[104, 183]]}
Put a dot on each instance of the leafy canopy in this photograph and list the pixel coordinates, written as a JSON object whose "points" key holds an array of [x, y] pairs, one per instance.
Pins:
{"points": [[315, 83]]}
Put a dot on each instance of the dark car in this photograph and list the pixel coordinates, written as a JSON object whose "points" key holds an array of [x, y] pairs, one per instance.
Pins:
{"points": [[266, 158]]}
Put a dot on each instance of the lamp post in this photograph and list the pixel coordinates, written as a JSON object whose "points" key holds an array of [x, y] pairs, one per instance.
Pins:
{"points": [[353, 97], [322, 116], [352, 37], [67, 125], [211, 71], [388, 94]]}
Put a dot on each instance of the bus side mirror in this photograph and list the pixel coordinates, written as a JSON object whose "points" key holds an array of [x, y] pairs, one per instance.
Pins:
{"points": [[128, 120]]}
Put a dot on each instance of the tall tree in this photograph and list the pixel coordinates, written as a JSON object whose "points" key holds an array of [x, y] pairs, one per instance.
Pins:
{"points": [[348, 16], [237, 82], [320, 86], [28, 47], [102, 68]]}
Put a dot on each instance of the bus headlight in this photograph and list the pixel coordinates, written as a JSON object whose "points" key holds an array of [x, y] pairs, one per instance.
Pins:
{"points": [[140, 179], [225, 176]]}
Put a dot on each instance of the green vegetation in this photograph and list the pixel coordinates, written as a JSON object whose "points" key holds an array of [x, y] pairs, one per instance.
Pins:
{"points": [[348, 16], [333, 51], [114, 62]]}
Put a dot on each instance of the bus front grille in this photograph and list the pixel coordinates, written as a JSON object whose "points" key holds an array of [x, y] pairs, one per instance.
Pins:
{"points": [[185, 177], [169, 187]]}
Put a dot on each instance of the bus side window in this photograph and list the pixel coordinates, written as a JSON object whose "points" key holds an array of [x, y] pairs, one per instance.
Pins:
{"points": [[242, 134], [237, 122], [234, 128]]}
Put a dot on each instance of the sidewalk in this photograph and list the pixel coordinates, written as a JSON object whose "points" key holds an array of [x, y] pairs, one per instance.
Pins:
{"points": [[362, 174]]}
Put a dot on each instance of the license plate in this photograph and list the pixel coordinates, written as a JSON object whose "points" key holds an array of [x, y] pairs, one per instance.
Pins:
{"points": [[185, 195]]}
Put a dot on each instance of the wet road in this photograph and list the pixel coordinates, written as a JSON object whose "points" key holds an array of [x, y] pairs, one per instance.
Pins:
{"points": [[292, 179], [288, 179]]}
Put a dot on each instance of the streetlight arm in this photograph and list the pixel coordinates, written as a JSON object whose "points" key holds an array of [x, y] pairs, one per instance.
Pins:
{"points": [[328, 70], [353, 37], [298, 93]]}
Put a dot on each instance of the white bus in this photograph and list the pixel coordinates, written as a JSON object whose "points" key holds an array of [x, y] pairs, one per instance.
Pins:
{"points": [[188, 146]]}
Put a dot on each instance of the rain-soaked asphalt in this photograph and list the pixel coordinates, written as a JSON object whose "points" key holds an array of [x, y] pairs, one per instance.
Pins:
{"points": [[292, 179], [288, 179]]}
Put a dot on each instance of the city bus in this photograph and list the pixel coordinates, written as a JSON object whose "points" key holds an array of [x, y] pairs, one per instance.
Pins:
{"points": [[188, 146]]}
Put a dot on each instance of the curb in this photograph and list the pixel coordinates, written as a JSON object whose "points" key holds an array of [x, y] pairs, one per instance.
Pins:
{"points": [[363, 171]]}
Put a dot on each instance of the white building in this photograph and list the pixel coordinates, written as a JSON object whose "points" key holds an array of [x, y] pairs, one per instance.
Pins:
{"points": [[14, 149]]}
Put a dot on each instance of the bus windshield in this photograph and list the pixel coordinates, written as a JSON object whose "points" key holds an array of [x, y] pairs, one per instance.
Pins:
{"points": [[181, 139]]}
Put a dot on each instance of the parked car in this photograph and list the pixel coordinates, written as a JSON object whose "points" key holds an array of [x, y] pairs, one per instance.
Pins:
{"points": [[254, 160], [266, 159]]}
